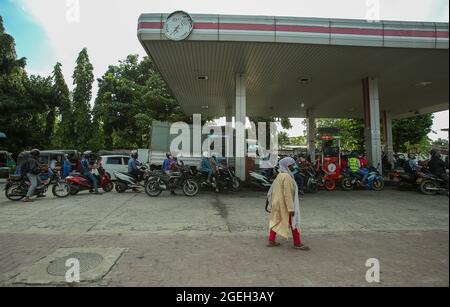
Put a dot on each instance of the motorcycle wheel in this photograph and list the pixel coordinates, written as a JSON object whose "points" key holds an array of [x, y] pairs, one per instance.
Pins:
{"points": [[236, 184], [152, 188], [190, 188], [330, 184], [120, 187], [10, 190], [108, 187], [347, 184], [61, 190], [428, 187], [378, 184], [313, 187]]}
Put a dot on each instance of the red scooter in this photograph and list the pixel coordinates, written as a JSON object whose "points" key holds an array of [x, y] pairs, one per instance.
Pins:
{"points": [[78, 183]]}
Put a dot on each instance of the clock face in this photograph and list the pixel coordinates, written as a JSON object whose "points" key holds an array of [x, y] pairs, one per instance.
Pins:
{"points": [[332, 167], [178, 26]]}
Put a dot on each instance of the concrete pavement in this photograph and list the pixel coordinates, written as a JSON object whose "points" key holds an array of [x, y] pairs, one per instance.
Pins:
{"points": [[219, 239]]}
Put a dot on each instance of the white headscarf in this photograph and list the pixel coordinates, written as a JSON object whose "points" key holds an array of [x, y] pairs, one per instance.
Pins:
{"points": [[284, 168]]}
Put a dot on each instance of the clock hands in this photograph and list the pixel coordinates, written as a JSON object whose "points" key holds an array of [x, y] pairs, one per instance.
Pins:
{"points": [[175, 30]]}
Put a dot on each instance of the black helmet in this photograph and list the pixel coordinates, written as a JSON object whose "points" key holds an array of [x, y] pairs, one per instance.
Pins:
{"points": [[134, 154], [433, 152], [168, 155], [35, 153]]}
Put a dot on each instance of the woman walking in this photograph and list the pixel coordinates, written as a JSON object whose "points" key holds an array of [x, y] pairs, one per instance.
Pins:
{"points": [[284, 206]]}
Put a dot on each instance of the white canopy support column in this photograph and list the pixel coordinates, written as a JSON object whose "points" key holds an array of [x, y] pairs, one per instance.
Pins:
{"points": [[372, 131], [229, 133], [311, 134], [240, 125], [389, 148]]}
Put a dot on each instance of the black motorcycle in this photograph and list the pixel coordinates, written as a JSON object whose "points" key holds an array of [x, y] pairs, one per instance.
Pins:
{"points": [[223, 179], [226, 179], [16, 187], [408, 179], [311, 179], [183, 178], [430, 184]]}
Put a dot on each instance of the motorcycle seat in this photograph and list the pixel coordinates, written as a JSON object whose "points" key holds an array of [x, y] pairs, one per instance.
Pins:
{"points": [[79, 175], [15, 178]]}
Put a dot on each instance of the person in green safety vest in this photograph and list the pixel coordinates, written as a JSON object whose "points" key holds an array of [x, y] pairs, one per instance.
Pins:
{"points": [[354, 164]]}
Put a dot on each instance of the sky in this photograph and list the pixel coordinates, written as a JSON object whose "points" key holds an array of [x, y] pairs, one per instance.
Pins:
{"points": [[50, 31]]}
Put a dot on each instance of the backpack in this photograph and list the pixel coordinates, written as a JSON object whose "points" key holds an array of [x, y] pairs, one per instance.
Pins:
{"points": [[31, 166], [24, 168]]}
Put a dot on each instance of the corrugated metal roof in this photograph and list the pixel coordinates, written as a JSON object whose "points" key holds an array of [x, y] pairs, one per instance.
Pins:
{"points": [[273, 69]]}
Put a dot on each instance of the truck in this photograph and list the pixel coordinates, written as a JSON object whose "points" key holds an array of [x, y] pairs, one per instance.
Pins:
{"points": [[161, 140]]}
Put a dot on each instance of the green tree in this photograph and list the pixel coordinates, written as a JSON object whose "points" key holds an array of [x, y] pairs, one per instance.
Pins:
{"points": [[283, 140], [132, 95], [61, 91], [83, 78], [42, 108], [15, 115], [411, 130], [298, 141]]}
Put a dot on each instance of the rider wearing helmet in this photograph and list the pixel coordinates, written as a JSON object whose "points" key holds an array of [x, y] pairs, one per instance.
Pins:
{"points": [[31, 170], [354, 164], [86, 170], [438, 166], [133, 166]]}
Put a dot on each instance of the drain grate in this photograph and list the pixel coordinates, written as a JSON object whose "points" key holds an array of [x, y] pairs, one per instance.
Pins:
{"points": [[88, 261]]}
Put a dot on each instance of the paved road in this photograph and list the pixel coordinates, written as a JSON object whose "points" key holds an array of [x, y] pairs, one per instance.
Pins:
{"points": [[219, 240]]}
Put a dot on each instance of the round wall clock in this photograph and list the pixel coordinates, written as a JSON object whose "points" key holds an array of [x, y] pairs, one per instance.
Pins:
{"points": [[178, 26]]}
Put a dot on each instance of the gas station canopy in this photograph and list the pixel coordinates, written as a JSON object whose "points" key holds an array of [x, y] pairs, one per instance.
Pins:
{"points": [[295, 64]]}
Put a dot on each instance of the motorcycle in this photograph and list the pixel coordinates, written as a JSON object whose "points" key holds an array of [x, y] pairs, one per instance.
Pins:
{"points": [[16, 187], [183, 178], [352, 181], [430, 184], [125, 181], [78, 183], [224, 179], [408, 179], [325, 181], [312, 182]]}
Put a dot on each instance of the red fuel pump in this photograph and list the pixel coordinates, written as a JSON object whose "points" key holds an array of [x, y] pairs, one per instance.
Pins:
{"points": [[330, 162]]}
